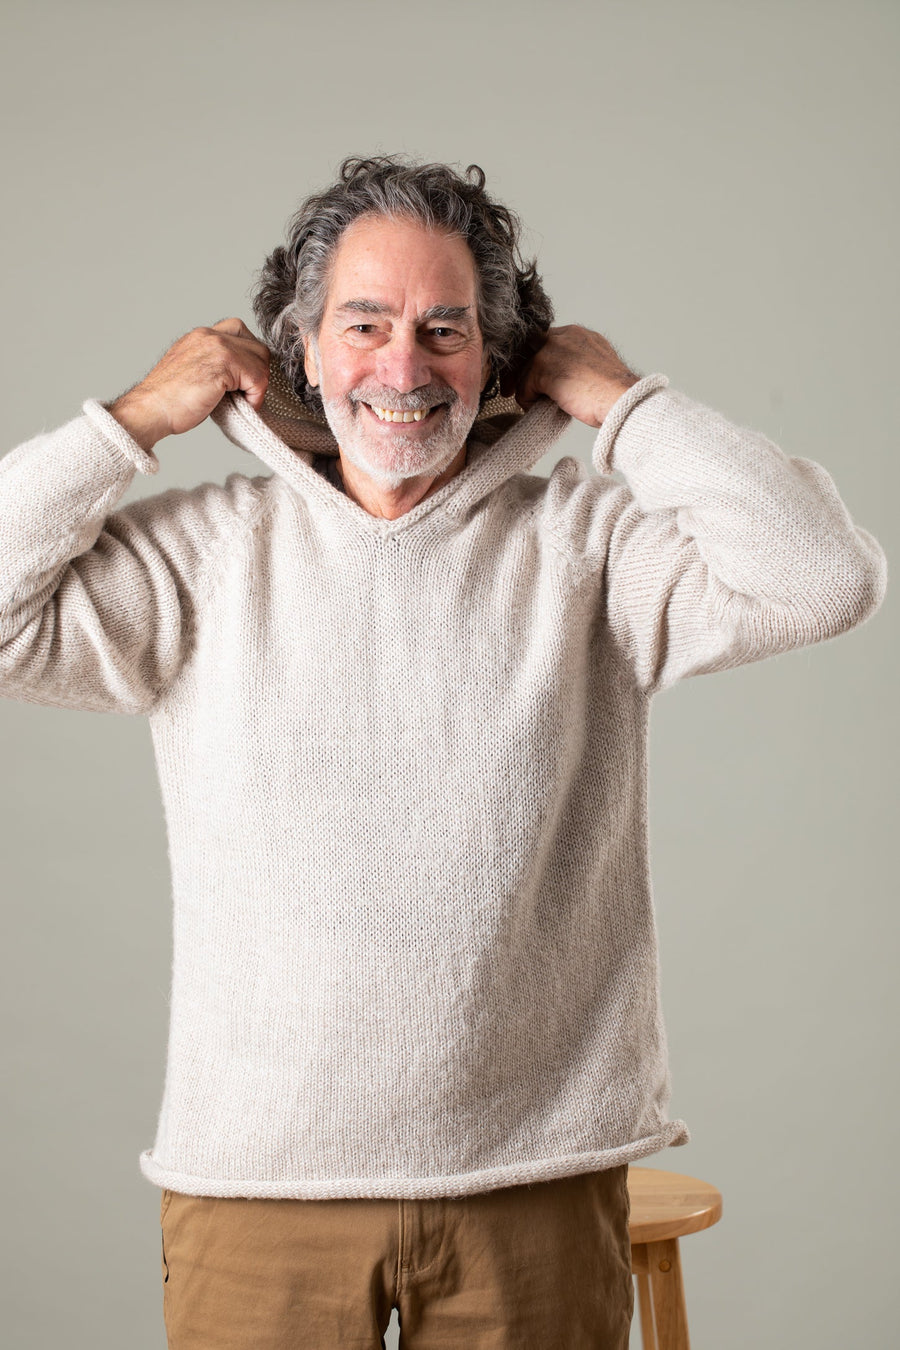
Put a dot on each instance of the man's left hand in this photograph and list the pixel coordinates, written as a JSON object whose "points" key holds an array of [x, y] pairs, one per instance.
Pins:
{"points": [[576, 368]]}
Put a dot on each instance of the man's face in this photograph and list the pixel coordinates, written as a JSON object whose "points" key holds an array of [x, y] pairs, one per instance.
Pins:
{"points": [[399, 335]]}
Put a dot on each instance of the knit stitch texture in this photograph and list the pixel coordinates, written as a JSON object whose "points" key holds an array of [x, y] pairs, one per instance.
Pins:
{"points": [[403, 765]]}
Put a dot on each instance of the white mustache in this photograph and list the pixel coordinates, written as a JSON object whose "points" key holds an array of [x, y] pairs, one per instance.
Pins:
{"points": [[389, 398]]}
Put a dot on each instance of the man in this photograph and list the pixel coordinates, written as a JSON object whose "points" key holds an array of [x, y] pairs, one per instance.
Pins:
{"points": [[399, 692]]}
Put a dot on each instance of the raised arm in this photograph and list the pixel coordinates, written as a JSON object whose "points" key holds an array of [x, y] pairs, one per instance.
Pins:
{"points": [[95, 603], [191, 378], [721, 549]]}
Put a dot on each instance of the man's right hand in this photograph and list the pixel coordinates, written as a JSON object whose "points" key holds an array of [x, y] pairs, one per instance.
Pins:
{"points": [[193, 376]]}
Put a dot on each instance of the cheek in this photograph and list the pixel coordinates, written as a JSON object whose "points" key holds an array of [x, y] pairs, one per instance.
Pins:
{"points": [[344, 372], [471, 378]]}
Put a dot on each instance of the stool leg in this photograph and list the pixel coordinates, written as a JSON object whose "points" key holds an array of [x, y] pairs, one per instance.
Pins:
{"points": [[645, 1303], [667, 1288]]}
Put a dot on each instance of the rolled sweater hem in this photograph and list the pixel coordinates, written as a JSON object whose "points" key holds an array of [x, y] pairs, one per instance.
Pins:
{"points": [[673, 1134]]}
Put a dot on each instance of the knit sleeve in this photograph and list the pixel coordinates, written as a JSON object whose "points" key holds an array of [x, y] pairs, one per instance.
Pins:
{"points": [[723, 549], [96, 604]]}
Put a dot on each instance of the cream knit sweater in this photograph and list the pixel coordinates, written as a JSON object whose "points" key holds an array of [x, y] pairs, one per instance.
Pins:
{"points": [[403, 766]]}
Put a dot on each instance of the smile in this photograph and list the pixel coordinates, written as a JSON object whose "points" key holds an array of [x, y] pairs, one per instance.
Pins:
{"points": [[402, 414]]}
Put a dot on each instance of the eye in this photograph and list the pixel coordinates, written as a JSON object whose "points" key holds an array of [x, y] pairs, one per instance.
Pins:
{"points": [[442, 332], [363, 327]]}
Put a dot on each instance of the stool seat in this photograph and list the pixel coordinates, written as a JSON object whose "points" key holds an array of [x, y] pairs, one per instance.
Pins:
{"points": [[668, 1205], [665, 1206]]}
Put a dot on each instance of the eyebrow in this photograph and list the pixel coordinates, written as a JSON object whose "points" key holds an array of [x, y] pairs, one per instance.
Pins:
{"points": [[454, 313]]}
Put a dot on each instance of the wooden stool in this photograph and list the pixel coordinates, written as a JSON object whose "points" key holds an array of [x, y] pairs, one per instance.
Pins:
{"points": [[665, 1207]]}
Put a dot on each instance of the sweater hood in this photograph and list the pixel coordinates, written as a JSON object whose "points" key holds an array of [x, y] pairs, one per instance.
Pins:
{"points": [[286, 435]]}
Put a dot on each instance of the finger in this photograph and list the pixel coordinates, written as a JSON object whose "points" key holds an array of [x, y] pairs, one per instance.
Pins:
{"points": [[525, 390], [528, 386], [255, 390], [234, 327], [249, 377], [520, 377]]}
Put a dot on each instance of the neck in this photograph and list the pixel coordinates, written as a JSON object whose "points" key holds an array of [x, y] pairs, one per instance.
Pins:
{"points": [[388, 502]]}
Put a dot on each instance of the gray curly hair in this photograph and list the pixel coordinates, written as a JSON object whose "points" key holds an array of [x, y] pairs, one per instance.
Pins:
{"points": [[514, 311]]}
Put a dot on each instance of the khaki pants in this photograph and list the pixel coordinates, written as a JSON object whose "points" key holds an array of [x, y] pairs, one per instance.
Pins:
{"points": [[545, 1266]]}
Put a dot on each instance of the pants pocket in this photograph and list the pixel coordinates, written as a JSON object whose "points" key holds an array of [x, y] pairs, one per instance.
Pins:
{"points": [[164, 1203]]}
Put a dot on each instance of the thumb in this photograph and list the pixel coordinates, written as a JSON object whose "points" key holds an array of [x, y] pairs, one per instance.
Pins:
{"points": [[233, 327]]}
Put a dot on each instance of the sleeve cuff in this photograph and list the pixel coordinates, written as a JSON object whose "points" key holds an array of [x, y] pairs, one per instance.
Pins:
{"points": [[602, 453], [145, 461]]}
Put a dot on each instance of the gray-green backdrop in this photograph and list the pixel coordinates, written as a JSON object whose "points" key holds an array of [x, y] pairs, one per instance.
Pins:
{"points": [[714, 187]]}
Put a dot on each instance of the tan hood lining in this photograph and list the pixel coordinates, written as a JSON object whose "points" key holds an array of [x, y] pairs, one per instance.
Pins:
{"points": [[302, 429]]}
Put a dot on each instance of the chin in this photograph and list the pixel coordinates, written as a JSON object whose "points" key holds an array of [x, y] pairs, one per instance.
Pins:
{"points": [[406, 456], [391, 467]]}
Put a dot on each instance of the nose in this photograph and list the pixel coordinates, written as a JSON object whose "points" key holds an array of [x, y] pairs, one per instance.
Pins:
{"points": [[402, 364]]}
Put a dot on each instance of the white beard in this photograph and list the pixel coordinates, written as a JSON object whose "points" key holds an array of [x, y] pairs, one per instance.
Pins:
{"points": [[391, 462]]}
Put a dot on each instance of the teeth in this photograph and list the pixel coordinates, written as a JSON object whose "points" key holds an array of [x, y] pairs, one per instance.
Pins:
{"points": [[398, 415]]}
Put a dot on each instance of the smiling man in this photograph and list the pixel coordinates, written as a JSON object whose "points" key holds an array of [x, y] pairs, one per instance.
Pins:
{"points": [[399, 360], [399, 690]]}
